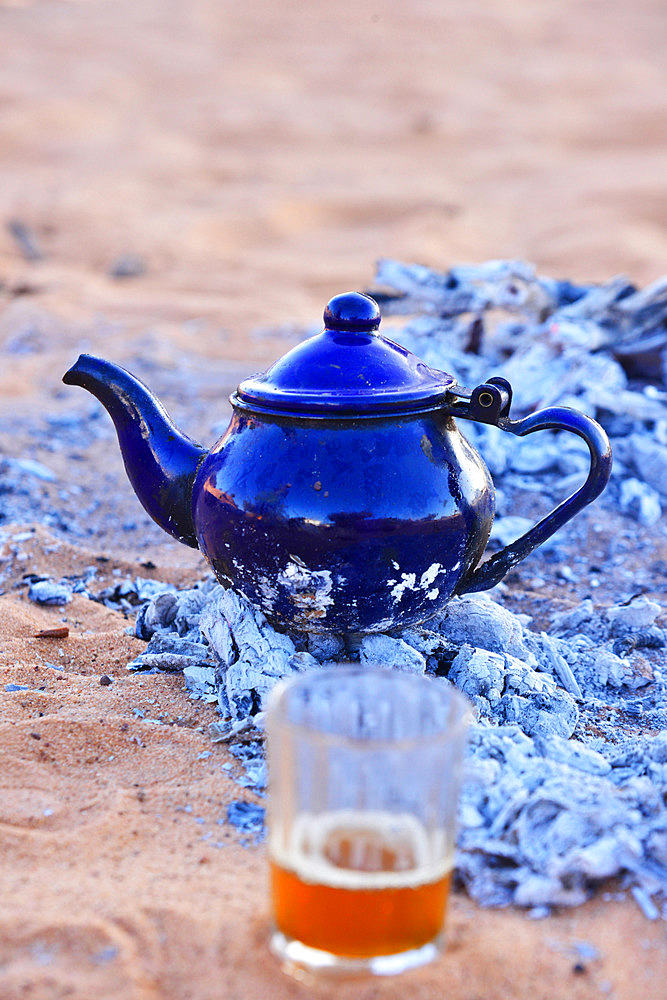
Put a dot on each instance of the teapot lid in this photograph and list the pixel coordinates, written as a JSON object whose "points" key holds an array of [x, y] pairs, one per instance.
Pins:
{"points": [[348, 368]]}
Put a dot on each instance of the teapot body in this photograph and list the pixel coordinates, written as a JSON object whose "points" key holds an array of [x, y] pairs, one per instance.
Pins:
{"points": [[348, 525]]}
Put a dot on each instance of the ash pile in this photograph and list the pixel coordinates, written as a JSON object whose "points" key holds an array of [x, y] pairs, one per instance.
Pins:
{"points": [[566, 778], [600, 348], [566, 783]]}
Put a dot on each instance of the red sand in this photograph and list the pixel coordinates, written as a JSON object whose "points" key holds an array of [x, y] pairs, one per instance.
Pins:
{"points": [[259, 157]]}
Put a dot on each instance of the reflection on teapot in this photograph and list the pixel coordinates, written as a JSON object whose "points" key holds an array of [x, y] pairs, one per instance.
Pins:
{"points": [[342, 497]]}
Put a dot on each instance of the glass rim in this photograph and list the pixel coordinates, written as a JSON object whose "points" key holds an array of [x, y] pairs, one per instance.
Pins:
{"points": [[279, 694]]}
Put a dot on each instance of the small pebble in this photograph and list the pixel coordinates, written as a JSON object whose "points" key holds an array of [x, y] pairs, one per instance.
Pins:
{"points": [[128, 265]]}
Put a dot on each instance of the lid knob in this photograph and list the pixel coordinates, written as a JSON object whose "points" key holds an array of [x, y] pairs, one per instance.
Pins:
{"points": [[353, 312]]}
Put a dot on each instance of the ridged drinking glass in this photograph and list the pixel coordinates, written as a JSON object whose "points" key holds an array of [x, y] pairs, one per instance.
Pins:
{"points": [[364, 774]]}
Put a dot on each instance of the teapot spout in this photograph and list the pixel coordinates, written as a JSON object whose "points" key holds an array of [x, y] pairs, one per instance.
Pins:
{"points": [[160, 461]]}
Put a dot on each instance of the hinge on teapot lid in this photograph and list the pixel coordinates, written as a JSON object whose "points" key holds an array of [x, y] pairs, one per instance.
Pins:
{"points": [[488, 403]]}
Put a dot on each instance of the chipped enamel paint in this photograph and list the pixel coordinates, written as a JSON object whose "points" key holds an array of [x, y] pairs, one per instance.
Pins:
{"points": [[383, 625], [268, 591], [309, 589], [429, 575], [408, 581]]}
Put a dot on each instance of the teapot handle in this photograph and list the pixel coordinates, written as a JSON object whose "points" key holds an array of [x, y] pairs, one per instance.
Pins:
{"points": [[555, 418]]}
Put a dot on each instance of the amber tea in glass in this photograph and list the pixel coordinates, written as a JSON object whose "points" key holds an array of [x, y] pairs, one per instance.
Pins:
{"points": [[364, 771]]}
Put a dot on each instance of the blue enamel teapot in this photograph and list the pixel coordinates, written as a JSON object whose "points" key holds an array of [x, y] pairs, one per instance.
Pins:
{"points": [[342, 497]]}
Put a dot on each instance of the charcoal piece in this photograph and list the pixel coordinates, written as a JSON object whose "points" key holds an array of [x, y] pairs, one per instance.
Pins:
{"points": [[170, 652], [50, 593], [480, 674], [251, 756], [191, 604], [145, 589], [386, 651], [603, 858], [478, 621], [574, 753], [571, 620], [540, 890], [165, 662], [216, 630], [170, 643], [551, 659], [544, 714], [246, 816], [326, 647], [252, 655], [201, 682], [649, 459], [657, 748], [127, 594], [159, 612], [610, 669], [438, 651], [509, 285], [640, 613], [640, 317], [640, 501]]}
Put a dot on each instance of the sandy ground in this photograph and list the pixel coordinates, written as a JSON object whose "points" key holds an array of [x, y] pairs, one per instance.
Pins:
{"points": [[258, 158]]}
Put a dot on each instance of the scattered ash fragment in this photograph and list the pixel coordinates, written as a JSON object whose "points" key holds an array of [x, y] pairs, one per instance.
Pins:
{"points": [[246, 816], [26, 239], [49, 592], [130, 594], [128, 265]]}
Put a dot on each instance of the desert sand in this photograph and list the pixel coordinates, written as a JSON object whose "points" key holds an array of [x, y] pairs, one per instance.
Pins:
{"points": [[258, 158]]}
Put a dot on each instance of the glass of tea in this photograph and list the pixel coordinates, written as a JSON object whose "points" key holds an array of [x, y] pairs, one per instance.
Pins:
{"points": [[364, 772]]}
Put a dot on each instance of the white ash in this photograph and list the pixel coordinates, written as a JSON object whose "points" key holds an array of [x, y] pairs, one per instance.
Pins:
{"points": [[641, 501], [378, 650], [581, 346], [638, 613], [561, 791], [30, 467], [50, 592]]}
